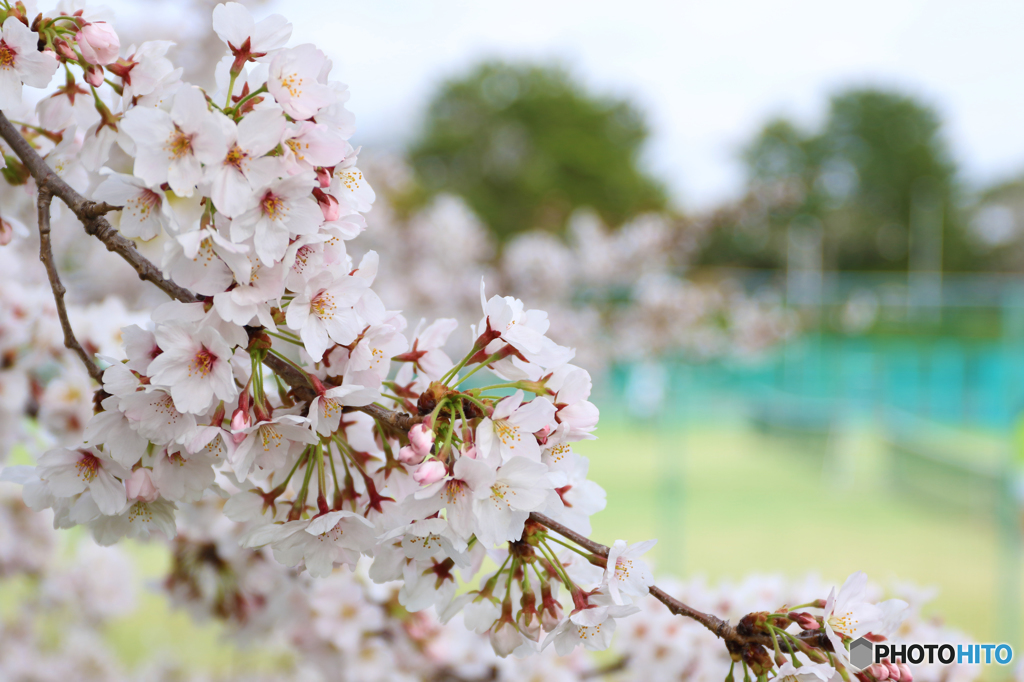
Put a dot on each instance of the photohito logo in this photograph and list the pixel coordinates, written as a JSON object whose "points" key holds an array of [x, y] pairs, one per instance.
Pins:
{"points": [[864, 652]]}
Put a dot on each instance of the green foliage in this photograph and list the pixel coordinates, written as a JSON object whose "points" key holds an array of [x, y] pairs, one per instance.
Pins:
{"points": [[877, 168], [526, 145]]}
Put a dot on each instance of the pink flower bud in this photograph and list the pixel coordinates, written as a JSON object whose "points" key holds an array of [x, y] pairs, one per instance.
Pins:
{"points": [[542, 435], [429, 472], [240, 421], [894, 671], [804, 620], [64, 50], [328, 204], [905, 674], [468, 451], [421, 438], [140, 486], [98, 43], [878, 671], [94, 76], [323, 178], [409, 456]]}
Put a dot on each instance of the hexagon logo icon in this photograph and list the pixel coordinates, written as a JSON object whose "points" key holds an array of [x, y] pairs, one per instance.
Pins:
{"points": [[861, 653]]}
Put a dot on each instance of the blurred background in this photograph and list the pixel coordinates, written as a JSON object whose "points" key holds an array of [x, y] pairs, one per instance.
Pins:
{"points": [[785, 238]]}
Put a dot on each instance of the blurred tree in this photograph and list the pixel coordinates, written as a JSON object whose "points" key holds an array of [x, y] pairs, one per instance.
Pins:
{"points": [[877, 180], [526, 145]]}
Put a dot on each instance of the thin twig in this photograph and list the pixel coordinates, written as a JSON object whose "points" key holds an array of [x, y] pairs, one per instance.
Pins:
{"points": [[91, 216], [720, 627], [46, 256], [399, 421], [89, 213]]}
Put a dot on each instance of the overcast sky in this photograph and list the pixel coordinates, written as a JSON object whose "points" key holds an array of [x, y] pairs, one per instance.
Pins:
{"points": [[707, 73]]}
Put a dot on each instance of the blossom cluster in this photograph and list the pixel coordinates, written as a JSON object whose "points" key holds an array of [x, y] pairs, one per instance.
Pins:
{"points": [[280, 387], [190, 411]]}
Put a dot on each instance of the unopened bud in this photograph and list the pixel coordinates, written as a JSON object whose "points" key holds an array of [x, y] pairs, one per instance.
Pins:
{"points": [[894, 671], [240, 421], [905, 674], [139, 486], [430, 472], [409, 456], [64, 50], [98, 43], [804, 620], [323, 177], [421, 438], [328, 204], [94, 76], [878, 671]]}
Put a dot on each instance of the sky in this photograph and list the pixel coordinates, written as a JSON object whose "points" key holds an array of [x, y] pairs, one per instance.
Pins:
{"points": [[707, 74]]}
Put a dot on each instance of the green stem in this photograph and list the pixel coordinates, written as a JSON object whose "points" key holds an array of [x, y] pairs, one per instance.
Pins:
{"points": [[295, 467], [231, 89], [304, 491], [334, 474], [321, 479], [567, 546], [289, 339], [238, 107], [455, 370], [550, 555], [486, 361]]}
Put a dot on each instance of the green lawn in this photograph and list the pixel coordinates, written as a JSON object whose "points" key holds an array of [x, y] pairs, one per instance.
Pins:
{"points": [[723, 499]]}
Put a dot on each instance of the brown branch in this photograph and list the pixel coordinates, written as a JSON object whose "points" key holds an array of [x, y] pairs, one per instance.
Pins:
{"points": [[46, 256], [399, 421], [720, 627], [91, 216], [88, 212]]}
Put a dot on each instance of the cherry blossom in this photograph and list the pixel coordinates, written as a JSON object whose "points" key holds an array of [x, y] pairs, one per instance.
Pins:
{"points": [[69, 472], [146, 211], [626, 574], [195, 367], [170, 147], [323, 313], [276, 212], [21, 62], [244, 36], [294, 81], [274, 398], [509, 431], [848, 615]]}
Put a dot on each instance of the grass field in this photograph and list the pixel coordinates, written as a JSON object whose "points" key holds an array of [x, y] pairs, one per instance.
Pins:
{"points": [[723, 500]]}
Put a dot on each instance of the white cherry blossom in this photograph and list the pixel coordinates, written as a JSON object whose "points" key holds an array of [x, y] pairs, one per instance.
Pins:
{"points": [[294, 81], [194, 366], [21, 62], [170, 147]]}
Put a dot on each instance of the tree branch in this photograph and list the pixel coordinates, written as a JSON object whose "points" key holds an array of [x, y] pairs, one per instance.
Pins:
{"points": [[88, 212], [91, 215], [46, 256], [399, 421], [720, 627]]}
